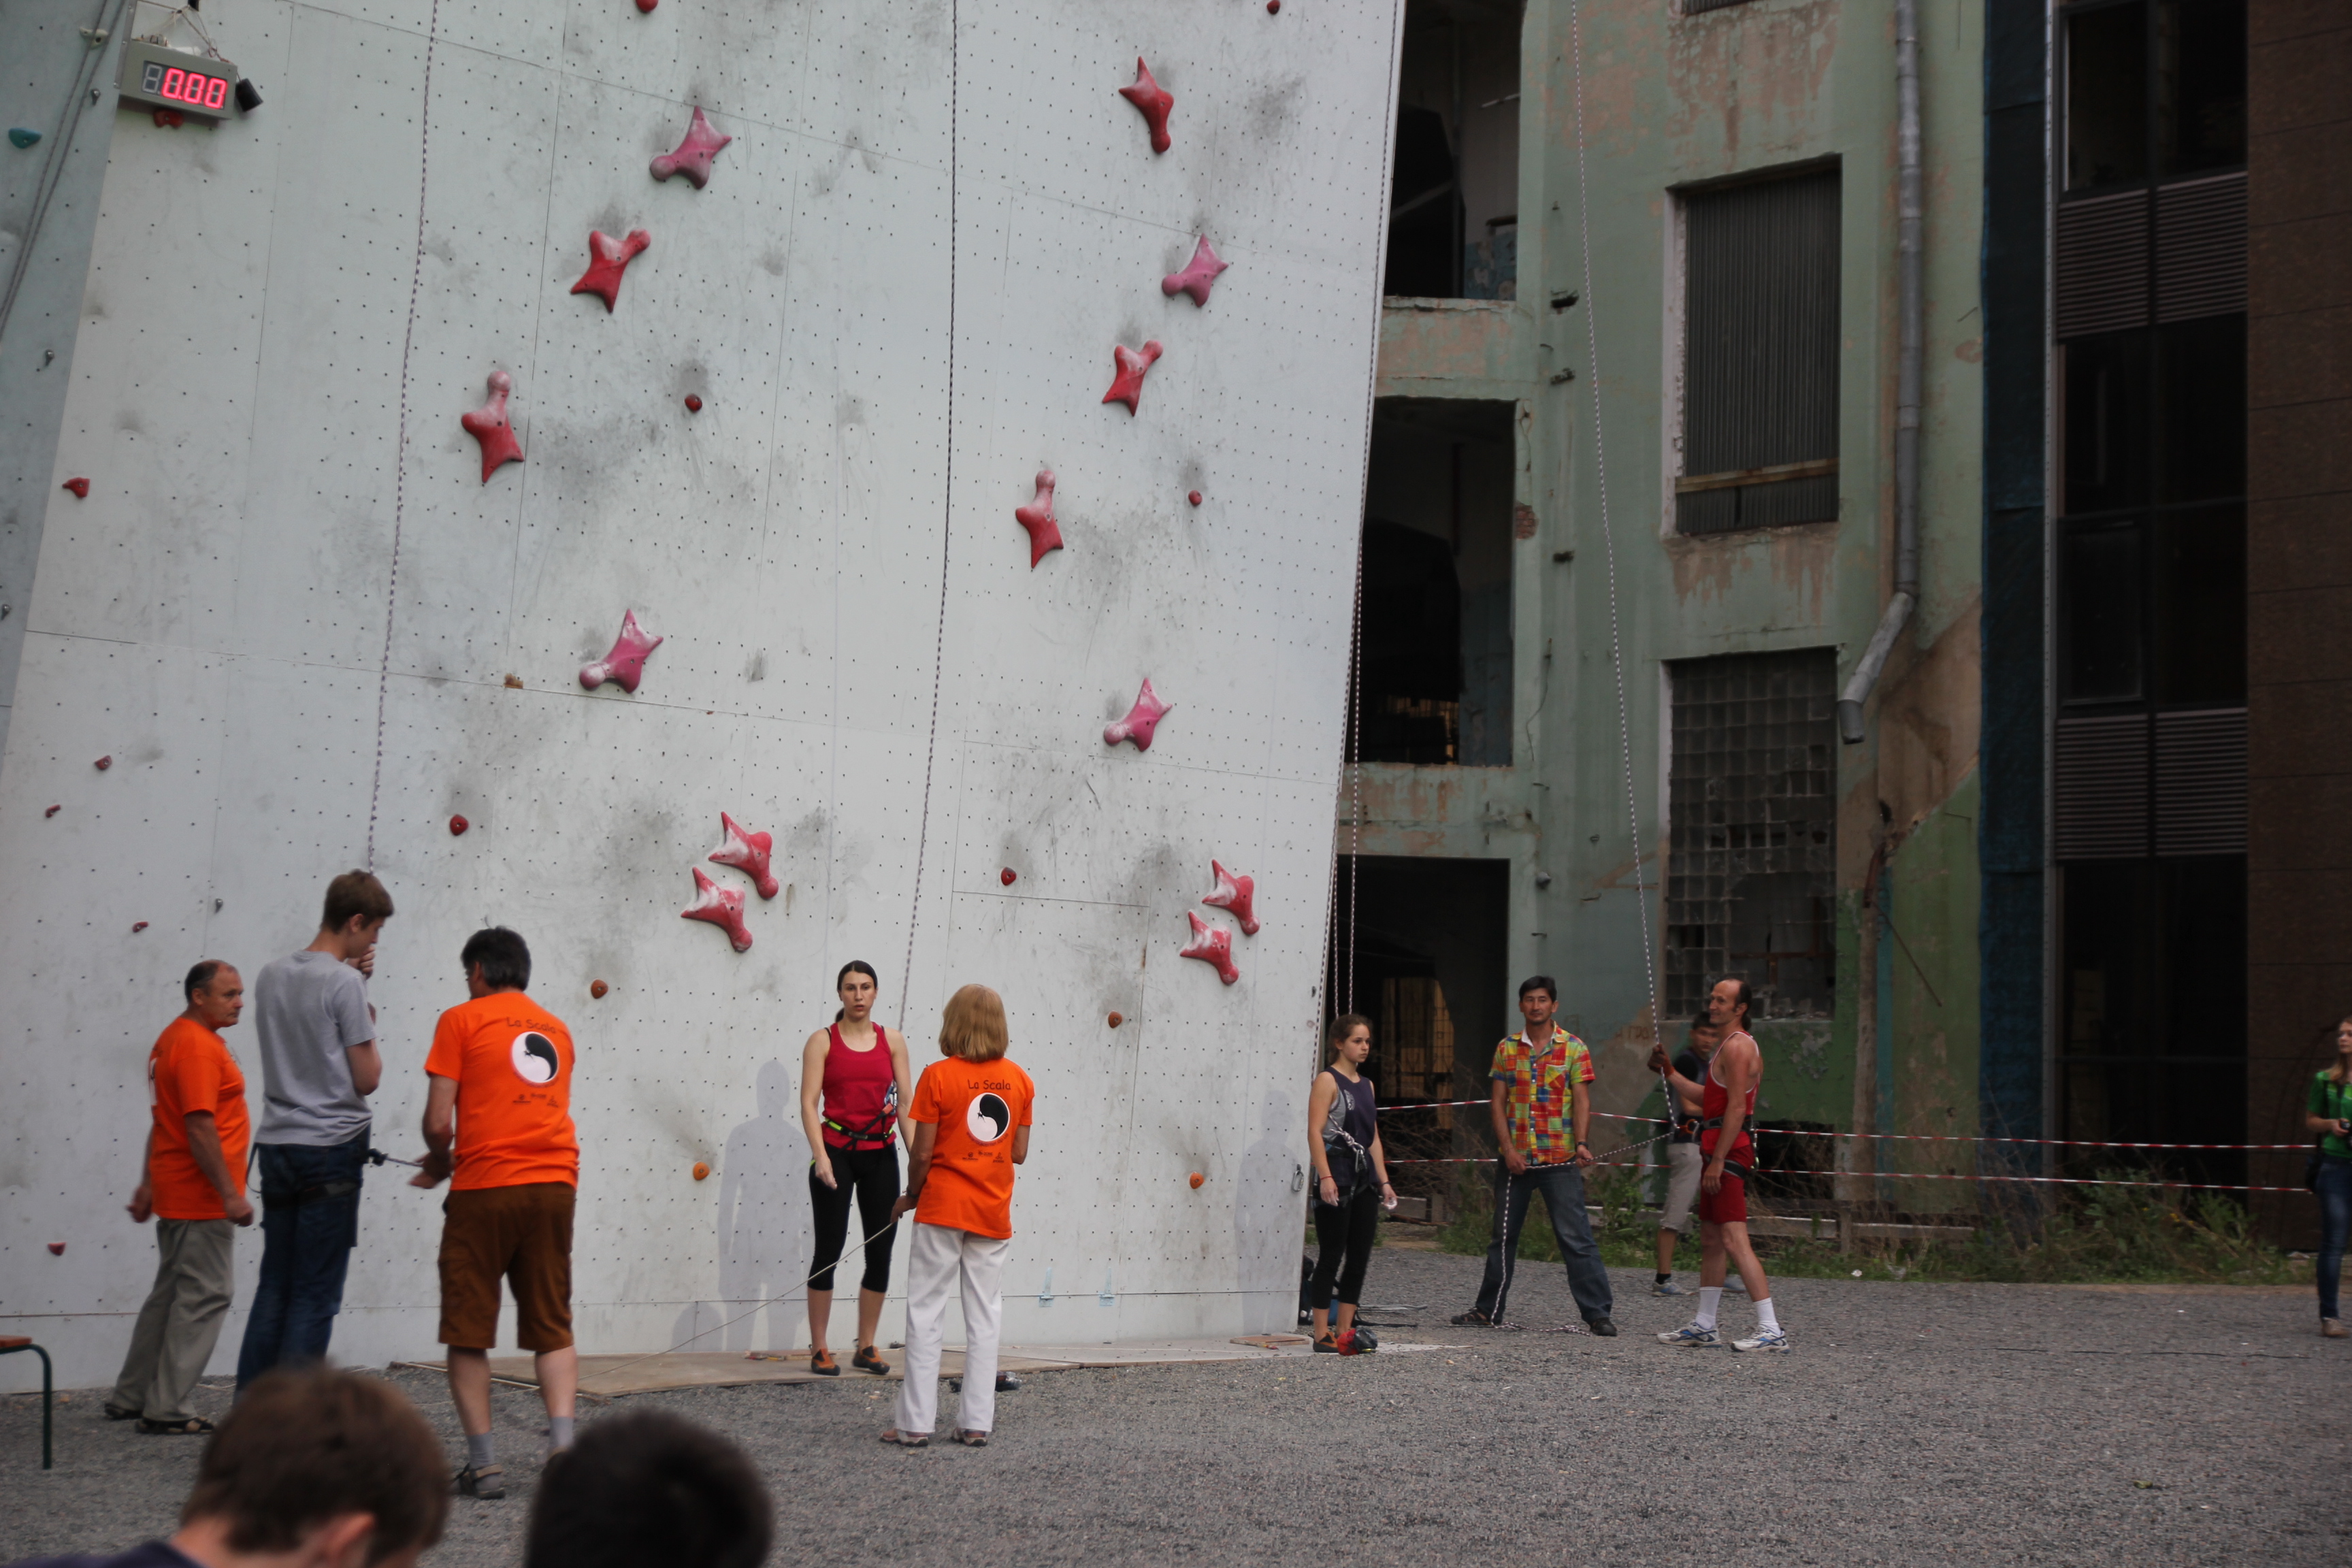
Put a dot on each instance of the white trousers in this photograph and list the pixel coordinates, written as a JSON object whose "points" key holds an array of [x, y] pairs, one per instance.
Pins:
{"points": [[936, 1260]]}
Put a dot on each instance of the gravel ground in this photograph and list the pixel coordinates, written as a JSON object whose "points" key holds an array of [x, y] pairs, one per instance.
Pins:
{"points": [[1935, 1423]]}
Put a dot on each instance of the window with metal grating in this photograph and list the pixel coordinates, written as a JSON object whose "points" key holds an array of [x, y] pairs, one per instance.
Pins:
{"points": [[2102, 265], [2201, 249], [2200, 783], [2099, 788]]}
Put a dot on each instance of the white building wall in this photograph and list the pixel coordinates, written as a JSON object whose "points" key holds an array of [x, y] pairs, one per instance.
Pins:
{"points": [[222, 617]]}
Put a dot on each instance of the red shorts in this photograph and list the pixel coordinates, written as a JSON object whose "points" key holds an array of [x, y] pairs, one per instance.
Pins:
{"points": [[1728, 1204]]}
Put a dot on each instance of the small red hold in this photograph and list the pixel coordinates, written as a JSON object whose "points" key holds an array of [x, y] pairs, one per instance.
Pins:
{"points": [[647, 6], [458, 824], [53, 811], [489, 425], [1273, 7], [168, 119], [747, 852], [1008, 876], [1127, 387], [1194, 497], [607, 259], [597, 989], [693, 404], [56, 1249], [1211, 945], [1037, 517], [723, 907], [103, 764], [137, 926], [80, 488], [1154, 102]]}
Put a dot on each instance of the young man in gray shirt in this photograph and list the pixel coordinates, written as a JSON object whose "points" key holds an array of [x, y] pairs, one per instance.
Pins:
{"points": [[319, 1065]]}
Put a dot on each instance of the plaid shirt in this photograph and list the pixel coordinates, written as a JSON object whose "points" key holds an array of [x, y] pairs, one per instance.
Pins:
{"points": [[1538, 1100]]}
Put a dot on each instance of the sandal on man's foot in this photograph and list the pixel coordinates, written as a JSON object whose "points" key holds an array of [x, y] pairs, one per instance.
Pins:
{"points": [[822, 1363], [899, 1439], [488, 1482], [866, 1360], [193, 1426], [972, 1439]]}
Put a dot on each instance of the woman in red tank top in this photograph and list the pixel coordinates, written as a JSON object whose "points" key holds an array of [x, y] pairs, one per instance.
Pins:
{"points": [[856, 1087]]}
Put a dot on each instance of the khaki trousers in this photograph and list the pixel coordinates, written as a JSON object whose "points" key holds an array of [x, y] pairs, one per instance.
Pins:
{"points": [[181, 1322]]}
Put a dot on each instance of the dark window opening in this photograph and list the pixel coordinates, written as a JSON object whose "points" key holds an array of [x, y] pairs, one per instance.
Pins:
{"points": [[1455, 190], [1751, 793], [2153, 88], [1761, 344], [1436, 634]]}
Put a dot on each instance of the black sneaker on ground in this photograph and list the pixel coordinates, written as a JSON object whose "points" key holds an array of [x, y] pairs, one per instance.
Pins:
{"points": [[1327, 1344], [489, 1482], [1473, 1319], [1604, 1326]]}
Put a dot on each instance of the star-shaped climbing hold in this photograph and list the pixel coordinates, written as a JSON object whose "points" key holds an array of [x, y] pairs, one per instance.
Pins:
{"points": [[1037, 517], [723, 907], [1141, 722], [747, 852], [626, 663], [488, 426], [1153, 102], [1212, 945], [693, 156], [1233, 895], [1127, 387], [608, 258], [1200, 275]]}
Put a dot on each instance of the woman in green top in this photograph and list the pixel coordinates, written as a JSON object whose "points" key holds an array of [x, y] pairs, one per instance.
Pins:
{"points": [[2330, 1116]]}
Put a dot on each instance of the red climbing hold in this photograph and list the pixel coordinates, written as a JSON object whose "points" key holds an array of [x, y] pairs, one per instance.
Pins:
{"points": [[1194, 497], [723, 907], [1127, 387], [647, 6], [103, 762], [625, 665], [1233, 895], [1141, 722], [747, 852], [56, 1249], [80, 488], [1200, 275], [693, 404], [1154, 102], [488, 426], [169, 119], [609, 258], [137, 926], [1008, 877], [457, 825], [53, 811], [1037, 517], [1211, 945], [1273, 7], [693, 156]]}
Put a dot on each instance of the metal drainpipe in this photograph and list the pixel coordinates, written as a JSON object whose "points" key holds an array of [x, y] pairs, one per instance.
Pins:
{"points": [[1910, 348]]}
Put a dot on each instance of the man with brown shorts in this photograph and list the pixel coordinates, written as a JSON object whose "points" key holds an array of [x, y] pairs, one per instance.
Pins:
{"points": [[500, 1078]]}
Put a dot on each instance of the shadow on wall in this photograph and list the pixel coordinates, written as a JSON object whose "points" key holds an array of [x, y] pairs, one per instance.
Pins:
{"points": [[1266, 1218], [765, 1236]]}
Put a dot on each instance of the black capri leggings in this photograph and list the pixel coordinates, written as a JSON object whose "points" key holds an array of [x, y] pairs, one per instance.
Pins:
{"points": [[873, 1174], [1344, 1231]]}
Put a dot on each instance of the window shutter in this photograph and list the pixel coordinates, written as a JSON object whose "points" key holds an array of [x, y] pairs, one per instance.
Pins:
{"points": [[2099, 788], [2102, 265], [2201, 249], [2200, 783]]}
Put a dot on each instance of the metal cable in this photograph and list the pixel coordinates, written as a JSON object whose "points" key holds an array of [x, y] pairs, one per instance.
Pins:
{"points": [[52, 174]]}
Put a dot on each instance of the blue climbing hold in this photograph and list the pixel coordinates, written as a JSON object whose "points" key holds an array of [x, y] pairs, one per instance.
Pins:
{"points": [[21, 137]]}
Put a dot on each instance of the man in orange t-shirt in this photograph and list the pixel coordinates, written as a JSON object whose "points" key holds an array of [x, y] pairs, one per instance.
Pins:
{"points": [[972, 1116], [499, 1117], [192, 1182]]}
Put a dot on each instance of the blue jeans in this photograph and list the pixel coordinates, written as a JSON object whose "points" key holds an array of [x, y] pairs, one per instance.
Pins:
{"points": [[1563, 1194], [2335, 1220], [306, 1235]]}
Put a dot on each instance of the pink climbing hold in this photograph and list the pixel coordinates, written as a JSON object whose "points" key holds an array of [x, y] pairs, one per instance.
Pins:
{"points": [[1194, 497], [1127, 387], [1007, 876], [137, 926], [1037, 517], [723, 907], [1200, 275], [53, 811], [104, 762], [693, 156], [80, 488], [625, 665], [1154, 102], [747, 852], [609, 258], [489, 425], [1233, 895], [1141, 722], [1212, 944]]}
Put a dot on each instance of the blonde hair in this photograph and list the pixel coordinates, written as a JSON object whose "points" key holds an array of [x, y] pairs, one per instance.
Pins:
{"points": [[972, 1027]]}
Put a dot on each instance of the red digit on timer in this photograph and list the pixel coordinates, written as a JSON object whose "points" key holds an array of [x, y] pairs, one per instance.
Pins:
{"points": [[216, 91], [172, 79]]}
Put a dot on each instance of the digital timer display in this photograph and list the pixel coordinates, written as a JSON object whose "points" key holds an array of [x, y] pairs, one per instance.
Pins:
{"points": [[175, 85], [166, 78]]}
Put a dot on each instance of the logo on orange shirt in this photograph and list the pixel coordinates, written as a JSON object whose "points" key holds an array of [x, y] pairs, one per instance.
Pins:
{"points": [[534, 1058], [987, 1118]]}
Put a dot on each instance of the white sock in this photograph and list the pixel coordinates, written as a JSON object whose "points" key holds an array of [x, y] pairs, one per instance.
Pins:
{"points": [[1766, 1321], [1711, 1296]]}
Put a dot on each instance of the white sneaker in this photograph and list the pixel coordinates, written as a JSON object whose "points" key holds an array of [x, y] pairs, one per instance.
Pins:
{"points": [[1692, 1337], [1735, 1286], [1765, 1340]]}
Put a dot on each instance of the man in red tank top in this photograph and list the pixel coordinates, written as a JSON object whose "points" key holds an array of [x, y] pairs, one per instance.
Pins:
{"points": [[1726, 1096]]}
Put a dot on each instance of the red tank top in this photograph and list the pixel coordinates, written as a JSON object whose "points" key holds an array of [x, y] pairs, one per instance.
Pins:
{"points": [[1715, 1099], [861, 1093]]}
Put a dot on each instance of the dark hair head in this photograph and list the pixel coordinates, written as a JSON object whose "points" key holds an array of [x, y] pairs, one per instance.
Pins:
{"points": [[355, 893], [1743, 995], [1543, 982], [854, 966], [299, 1449], [650, 1487], [504, 958], [1345, 1025], [201, 977]]}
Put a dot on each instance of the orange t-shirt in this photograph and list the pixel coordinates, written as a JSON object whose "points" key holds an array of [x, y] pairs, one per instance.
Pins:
{"points": [[511, 1060], [975, 1106], [190, 1069]]}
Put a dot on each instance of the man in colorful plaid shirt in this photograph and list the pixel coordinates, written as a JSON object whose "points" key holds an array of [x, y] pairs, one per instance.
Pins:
{"points": [[1542, 1106]]}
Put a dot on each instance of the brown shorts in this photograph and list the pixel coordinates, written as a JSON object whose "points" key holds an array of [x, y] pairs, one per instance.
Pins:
{"points": [[523, 1233]]}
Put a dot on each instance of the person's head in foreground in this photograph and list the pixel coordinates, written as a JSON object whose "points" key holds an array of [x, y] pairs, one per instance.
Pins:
{"points": [[972, 1027], [650, 1488], [320, 1469]]}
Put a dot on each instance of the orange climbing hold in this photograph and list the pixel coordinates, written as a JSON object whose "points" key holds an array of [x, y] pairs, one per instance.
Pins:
{"points": [[1117, 1019], [701, 1171], [1198, 1178], [597, 988]]}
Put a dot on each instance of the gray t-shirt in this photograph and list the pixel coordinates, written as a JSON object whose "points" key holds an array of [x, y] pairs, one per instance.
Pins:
{"points": [[309, 1010]]}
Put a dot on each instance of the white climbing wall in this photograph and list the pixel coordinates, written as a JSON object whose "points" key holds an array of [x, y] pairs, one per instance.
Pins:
{"points": [[260, 561]]}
